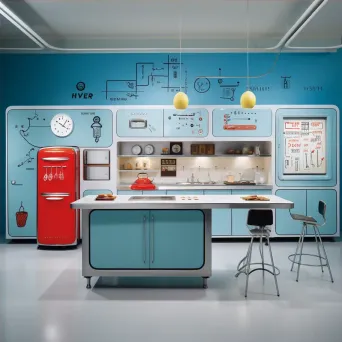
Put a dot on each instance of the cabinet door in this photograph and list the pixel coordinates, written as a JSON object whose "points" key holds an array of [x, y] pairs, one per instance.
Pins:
{"points": [[130, 192], [22, 175], [119, 239], [221, 219], [154, 192], [285, 225], [176, 239], [330, 199], [239, 216], [184, 192]]}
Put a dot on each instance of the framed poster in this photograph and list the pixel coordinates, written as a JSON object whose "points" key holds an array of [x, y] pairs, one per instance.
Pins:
{"points": [[304, 146], [168, 167]]}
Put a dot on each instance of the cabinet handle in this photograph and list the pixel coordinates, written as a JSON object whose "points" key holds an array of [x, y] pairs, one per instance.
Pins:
{"points": [[144, 241], [152, 235]]}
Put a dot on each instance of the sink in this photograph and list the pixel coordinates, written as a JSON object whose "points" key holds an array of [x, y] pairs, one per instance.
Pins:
{"points": [[152, 198], [196, 183]]}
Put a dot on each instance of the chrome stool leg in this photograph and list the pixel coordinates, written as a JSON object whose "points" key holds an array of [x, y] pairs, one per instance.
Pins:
{"points": [[261, 248], [298, 244], [272, 262], [325, 253], [248, 265], [243, 262], [301, 252], [318, 249]]}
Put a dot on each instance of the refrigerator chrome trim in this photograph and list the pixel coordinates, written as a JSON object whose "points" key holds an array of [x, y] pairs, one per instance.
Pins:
{"points": [[55, 194], [55, 158]]}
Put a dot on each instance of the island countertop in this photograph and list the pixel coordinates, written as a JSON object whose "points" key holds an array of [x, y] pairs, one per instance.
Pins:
{"points": [[181, 202]]}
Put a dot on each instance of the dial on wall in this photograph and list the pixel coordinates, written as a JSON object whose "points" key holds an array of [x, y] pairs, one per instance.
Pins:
{"points": [[62, 125]]}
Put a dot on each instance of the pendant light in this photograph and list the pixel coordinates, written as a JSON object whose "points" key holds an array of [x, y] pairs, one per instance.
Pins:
{"points": [[181, 100], [248, 98]]}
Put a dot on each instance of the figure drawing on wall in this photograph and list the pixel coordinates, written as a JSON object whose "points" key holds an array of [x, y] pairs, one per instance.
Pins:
{"points": [[96, 126]]}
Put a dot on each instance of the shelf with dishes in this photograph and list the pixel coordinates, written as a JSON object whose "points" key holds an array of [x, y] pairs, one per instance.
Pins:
{"points": [[193, 156], [189, 149]]}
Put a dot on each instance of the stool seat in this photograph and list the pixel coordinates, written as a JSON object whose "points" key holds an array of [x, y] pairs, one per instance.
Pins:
{"points": [[260, 232], [303, 218]]}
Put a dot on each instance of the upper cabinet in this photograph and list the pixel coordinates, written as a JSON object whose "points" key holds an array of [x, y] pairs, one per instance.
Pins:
{"points": [[228, 122], [191, 122], [306, 147]]}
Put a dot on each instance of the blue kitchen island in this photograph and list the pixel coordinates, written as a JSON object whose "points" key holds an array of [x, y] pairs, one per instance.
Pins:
{"points": [[154, 235]]}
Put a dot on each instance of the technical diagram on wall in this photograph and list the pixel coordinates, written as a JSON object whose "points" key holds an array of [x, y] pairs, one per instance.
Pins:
{"points": [[170, 75], [186, 123], [139, 123], [304, 146], [229, 122]]}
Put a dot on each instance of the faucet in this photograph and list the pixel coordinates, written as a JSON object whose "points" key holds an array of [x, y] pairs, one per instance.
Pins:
{"points": [[192, 178]]}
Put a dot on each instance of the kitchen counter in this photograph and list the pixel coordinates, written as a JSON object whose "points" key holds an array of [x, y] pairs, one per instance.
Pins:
{"points": [[154, 235], [218, 186], [181, 202]]}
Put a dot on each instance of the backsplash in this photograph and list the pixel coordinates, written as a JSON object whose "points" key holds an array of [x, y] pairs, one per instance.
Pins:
{"points": [[205, 169]]}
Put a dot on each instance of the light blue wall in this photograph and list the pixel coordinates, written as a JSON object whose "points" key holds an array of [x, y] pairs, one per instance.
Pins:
{"points": [[50, 79]]}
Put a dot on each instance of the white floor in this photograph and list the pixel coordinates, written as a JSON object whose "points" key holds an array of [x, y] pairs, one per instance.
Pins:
{"points": [[43, 298]]}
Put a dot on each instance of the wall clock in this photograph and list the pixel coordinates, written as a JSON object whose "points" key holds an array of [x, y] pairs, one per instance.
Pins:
{"points": [[62, 125], [176, 148]]}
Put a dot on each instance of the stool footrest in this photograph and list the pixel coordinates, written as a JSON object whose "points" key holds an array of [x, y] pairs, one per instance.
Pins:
{"points": [[292, 256], [242, 269]]}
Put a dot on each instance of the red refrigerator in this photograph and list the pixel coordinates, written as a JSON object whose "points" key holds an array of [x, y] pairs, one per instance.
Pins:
{"points": [[58, 185]]}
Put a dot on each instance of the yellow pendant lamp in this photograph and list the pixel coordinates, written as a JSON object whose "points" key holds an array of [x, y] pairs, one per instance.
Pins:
{"points": [[181, 100], [248, 98]]}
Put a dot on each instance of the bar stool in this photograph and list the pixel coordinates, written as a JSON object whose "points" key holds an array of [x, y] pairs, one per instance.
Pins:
{"points": [[310, 221], [257, 222]]}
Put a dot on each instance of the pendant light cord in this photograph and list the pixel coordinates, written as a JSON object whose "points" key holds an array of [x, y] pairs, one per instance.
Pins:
{"points": [[247, 29], [180, 53]]}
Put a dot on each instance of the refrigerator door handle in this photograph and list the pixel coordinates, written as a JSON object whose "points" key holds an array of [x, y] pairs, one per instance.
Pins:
{"points": [[55, 194], [55, 158], [54, 198]]}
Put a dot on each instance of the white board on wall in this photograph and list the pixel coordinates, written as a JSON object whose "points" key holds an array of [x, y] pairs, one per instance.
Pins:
{"points": [[305, 146]]}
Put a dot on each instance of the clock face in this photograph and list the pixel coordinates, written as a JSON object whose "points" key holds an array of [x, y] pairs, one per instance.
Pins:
{"points": [[149, 149], [176, 148], [61, 125], [136, 149]]}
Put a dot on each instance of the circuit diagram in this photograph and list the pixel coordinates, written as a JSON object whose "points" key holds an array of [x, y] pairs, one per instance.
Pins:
{"points": [[170, 75]]}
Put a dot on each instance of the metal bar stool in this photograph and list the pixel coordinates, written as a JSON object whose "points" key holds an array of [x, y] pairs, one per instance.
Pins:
{"points": [[310, 221], [257, 222]]}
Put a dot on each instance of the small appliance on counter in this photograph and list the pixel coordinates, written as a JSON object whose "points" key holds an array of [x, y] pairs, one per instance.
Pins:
{"points": [[143, 183], [58, 185]]}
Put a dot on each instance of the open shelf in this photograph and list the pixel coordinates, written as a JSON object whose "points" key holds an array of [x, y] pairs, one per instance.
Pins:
{"points": [[191, 155], [139, 170]]}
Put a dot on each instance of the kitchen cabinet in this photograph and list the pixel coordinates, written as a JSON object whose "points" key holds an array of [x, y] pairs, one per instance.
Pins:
{"points": [[119, 239], [176, 239], [239, 216], [96, 192], [129, 192], [146, 239], [154, 192], [306, 203], [184, 192], [221, 219], [285, 225]]}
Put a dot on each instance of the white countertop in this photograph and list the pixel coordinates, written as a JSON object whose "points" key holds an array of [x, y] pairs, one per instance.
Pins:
{"points": [[182, 202]]}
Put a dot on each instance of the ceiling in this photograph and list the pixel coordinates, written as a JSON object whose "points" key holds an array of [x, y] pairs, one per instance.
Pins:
{"points": [[158, 25]]}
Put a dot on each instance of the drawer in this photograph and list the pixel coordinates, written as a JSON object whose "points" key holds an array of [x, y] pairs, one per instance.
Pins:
{"points": [[97, 173], [96, 156]]}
